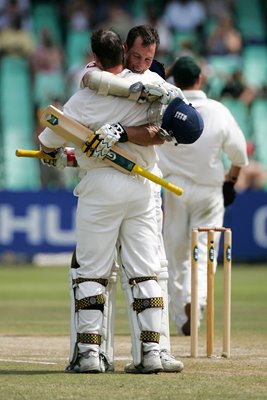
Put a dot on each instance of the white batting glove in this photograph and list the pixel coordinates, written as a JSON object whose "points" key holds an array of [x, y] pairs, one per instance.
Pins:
{"points": [[152, 92], [99, 144], [61, 156], [171, 93]]}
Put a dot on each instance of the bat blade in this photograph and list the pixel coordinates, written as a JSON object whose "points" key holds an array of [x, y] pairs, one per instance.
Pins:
{"points": [[76, 133]]}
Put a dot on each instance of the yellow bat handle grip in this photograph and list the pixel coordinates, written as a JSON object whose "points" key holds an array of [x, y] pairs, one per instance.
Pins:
{"points": [[32, 153], [154, 178], [136, 169]]}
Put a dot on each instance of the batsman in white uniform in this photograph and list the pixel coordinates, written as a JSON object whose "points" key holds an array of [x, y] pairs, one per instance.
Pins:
{"points": [[199, 170], [112, 207], [140, 47]]}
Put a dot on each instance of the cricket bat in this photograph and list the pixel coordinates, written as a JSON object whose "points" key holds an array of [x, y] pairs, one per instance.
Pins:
{"points": [[33, 153], [76, 133]]}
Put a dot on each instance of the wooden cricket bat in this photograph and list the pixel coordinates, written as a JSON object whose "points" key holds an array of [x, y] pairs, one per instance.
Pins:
{"points": [[76, 133]]}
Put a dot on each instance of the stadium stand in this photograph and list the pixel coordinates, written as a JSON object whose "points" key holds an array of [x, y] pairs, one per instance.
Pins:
{"points": [[259, 124], [48, 86], [23, 88], [17, 123], [250, 20], [241, 113], [46, 15], [255, 65], [77, 45]]}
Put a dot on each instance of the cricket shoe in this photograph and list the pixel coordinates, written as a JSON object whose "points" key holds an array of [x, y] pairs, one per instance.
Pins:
{"points": [[151, 364], [87, 362], [105, 364], [169, 363]]}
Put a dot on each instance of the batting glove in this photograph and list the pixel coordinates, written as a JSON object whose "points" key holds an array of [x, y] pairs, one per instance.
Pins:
{"points": [[99, 144], [171, 93], [229, 193], [61, 157], [152, 92]]}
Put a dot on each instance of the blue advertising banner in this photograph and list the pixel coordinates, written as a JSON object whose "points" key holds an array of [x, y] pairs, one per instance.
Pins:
{"points": [[37, 222], [44, 222], [247, 217]]}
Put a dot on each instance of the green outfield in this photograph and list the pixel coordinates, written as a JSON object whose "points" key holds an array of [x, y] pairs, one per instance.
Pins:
{"points": [[34, 328]]}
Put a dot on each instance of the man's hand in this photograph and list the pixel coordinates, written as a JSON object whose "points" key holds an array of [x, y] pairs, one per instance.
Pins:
{"points": [[99, 144], [61, 158], [229, 193], [172, 93], [152, 92]]}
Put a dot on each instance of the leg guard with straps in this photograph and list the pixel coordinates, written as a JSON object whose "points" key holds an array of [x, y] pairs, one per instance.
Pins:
{"points": [[87, 305], [145, 303]]}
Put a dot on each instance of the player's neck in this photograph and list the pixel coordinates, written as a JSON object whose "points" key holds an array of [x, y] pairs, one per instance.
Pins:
{"points": [[115, 70]]}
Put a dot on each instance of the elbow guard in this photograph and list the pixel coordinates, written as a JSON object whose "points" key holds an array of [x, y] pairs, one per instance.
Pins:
{"points": [[106, 83]]}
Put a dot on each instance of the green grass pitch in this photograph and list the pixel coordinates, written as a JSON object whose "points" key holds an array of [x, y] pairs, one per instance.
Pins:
{"points": [[34, 329]]}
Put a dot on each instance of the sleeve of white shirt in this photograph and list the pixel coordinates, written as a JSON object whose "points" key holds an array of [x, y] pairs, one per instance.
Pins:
{"points": [[235, 143], [88, 68], [50, 139]]}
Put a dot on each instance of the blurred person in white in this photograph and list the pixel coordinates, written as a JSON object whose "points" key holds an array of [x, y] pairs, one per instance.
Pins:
{"points": [[184, 15], [197, 168]]}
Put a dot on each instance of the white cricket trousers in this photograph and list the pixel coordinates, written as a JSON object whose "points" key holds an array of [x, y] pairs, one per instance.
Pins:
{"points": [[112, 206], [115, 207], [198, 206]]}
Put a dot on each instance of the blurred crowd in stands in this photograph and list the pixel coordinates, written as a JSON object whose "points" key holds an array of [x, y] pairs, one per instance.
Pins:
{"points": [[228, 38]]}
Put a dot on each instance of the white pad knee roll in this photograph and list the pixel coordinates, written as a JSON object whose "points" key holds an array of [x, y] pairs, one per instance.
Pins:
{"points": [[107, 343], [133, 321], [165, 327]]}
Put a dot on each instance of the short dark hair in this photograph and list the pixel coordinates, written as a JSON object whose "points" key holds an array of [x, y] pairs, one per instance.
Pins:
{"points": [[108, 47], [185, 72], [148, 34]]}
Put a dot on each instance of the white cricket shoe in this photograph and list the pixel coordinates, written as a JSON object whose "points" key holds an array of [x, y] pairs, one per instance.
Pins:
{"points": [[87, 362], [151, 364], [169, 363]]}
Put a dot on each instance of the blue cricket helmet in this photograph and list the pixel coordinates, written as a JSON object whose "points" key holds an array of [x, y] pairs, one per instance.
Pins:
{"points": [[182, 121]]}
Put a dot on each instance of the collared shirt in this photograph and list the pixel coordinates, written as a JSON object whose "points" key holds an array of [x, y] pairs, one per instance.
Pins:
{"points": [[201, 161]]}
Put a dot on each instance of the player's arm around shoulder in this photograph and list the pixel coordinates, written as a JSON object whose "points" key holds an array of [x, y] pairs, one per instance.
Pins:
{"points": [[145, 135]]}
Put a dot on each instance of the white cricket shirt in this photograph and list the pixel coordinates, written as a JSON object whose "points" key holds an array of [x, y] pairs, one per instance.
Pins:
{"points": [[202, 161]]}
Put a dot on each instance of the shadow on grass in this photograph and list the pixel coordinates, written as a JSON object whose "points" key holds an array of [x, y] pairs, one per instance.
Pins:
{"points": [[16, 372]]}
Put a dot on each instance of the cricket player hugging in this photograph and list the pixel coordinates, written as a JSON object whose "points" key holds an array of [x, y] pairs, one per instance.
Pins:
{"points": [[113, 208]]}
